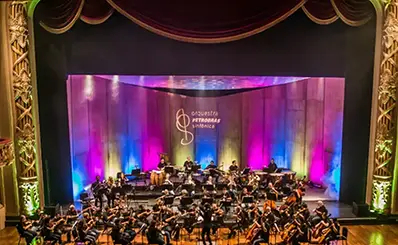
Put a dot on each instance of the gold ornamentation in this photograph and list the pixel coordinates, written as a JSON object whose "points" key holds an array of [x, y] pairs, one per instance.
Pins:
{"points": [[6, 152], [380, 195], [25, 148], [30, 197], [386, 115]]}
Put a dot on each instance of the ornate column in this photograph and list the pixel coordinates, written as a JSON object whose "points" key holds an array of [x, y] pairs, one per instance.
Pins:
{"points": [[25, 120], [384, 117]]}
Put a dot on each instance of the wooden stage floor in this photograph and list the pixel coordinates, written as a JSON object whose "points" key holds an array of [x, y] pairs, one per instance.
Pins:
{"points": [[358, 235]]}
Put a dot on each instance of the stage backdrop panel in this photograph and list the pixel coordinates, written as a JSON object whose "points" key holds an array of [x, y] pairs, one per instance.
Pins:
{"points": [[119, 127]]}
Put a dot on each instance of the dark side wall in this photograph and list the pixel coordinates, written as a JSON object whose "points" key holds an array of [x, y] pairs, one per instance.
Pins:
{"points": [[295, 47]]}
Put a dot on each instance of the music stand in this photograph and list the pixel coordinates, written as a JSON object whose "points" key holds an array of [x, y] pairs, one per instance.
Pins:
{"points": [[188, 187], [226, 204], [207, 200], [248, 199], [246, 171], [168, 200], [208, 187], [221, 186], [169, 170], [185, 201], [271, 196], [195, 168], [167, 186]]}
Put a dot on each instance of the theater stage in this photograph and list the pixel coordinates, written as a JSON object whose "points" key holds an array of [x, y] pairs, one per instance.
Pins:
{"points": [[121, 123]]}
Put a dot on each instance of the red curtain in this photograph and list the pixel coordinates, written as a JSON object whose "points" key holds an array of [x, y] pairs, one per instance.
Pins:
{"points": [[201, 21]]}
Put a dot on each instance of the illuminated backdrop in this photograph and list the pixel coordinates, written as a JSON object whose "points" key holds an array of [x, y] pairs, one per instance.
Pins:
{"points": [[116, 126]]}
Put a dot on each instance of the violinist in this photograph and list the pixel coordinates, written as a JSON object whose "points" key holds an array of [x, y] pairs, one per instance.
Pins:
{"points": [[82, 233], [244, 193], [29, 231], [154, 234], [242, 222], [49, 231], [119, 235], [321, 213], [218, 218], [88, 225]]}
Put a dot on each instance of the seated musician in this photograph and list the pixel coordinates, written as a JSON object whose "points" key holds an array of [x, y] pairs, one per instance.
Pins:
{"points": [[167, 180], [272, 166], [188, 165], [234, 166], [161, 164], [335, 230], [233, 192], [321, 213], [209, 181], [262, 236], [119, 236], [244, 193], [83, 235], [212, 165], [154, 234], [242, 222], [89, 223], [49, 233], [218, 218], [29, 231]]}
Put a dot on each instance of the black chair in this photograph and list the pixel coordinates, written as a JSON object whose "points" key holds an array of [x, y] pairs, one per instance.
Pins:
{"points": [[344, 235], [20, 232]]}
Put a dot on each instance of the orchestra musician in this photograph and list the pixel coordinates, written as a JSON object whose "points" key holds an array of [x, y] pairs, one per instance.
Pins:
{"points": [[161, 164], [29, 231], [49, 231], [188, 165], [97, 190], [272, 167], [110, 195], [122, 179], [217, 218], [154, 234], [234, 166], [321, 213]]}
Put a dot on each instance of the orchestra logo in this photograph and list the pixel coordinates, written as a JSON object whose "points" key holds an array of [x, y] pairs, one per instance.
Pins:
{"points": [[200, 119], [182, 123]]}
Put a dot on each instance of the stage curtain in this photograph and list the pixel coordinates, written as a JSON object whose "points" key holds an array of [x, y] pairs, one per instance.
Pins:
{"points": [[96, 11], [203, 21], [58, 16], [320, 11]]}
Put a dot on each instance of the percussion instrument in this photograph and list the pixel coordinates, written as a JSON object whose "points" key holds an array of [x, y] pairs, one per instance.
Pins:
{"points": [[157, 177]]}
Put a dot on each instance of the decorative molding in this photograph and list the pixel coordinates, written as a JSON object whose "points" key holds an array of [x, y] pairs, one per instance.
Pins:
{"points": [[385, 116], [22, 91], [6, 152]]}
